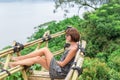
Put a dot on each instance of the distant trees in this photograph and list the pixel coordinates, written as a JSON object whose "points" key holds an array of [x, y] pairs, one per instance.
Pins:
{"points": [[65, 4]]}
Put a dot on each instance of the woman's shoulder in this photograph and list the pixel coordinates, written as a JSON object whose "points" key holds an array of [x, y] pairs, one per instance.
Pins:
{"points": [[74, 48]]}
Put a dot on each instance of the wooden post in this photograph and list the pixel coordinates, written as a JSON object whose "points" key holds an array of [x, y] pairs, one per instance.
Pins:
{"points": [[18, 54], [75, 73], [46, 34], [24, 75], [38, 46], [69, 75], [78, 59], [79, 62], [7, 61]]}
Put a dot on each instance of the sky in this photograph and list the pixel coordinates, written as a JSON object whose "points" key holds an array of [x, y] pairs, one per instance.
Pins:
{"points": [[22, 0]]}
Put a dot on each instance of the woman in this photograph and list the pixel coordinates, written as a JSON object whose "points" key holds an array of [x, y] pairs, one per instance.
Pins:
{"points": [[57, 69]]}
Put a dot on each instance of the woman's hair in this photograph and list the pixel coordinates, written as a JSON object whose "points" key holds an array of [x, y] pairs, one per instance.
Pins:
{"points": [[74, 33]]}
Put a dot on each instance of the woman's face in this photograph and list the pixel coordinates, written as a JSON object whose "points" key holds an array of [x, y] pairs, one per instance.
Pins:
{"points": [[68, 38]]}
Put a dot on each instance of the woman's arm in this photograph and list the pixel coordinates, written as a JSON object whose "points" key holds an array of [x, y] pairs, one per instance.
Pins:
{"points": [[70, 55]]}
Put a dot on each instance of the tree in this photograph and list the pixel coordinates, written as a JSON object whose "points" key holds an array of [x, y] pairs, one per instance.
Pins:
{"points": [[65, 4]]}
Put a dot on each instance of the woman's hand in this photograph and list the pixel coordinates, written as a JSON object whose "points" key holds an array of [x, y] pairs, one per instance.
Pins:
{"points": [[60, 63]]}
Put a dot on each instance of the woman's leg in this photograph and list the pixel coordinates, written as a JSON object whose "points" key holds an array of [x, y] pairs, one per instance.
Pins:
{"points": [[39, 52], [30, 61]]}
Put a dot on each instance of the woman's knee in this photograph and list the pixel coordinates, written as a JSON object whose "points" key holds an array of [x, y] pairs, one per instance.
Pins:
{"points": [[47, 52], [45, 49], [36, 59], [42, 50]]}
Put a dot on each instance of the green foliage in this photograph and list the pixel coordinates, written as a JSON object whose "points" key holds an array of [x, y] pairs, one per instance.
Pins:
{"points": [[102, 56], [102, 32], [114, 60], [94, 69], [36, 67], [114, 75], [15, 76], [103, 27], [114, 1], [28, 50]]}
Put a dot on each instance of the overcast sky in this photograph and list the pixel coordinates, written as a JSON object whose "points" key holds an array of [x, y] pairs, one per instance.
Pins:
{"points": [[22, 0]]}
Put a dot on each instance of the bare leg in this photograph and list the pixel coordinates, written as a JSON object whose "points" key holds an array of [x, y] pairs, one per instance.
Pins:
{"points": [[39, 52], [30, 59]]}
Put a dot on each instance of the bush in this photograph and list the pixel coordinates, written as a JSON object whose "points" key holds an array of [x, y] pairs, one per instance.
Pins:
{"points": [[94, 69], [114, 60], [102, 28]]}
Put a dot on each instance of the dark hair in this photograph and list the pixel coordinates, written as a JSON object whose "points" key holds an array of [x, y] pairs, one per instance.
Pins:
{"points": [[74, 33]]}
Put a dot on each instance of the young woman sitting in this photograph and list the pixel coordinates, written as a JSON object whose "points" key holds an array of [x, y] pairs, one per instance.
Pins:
{"points": [[57, 69]]}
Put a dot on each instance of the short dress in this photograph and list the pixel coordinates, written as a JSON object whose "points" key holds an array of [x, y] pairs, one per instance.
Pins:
{"points": [[57, 72]]}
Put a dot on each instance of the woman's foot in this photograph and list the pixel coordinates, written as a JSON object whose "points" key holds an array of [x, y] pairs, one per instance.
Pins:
{"points": [[11, 65], [14, 59]]}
